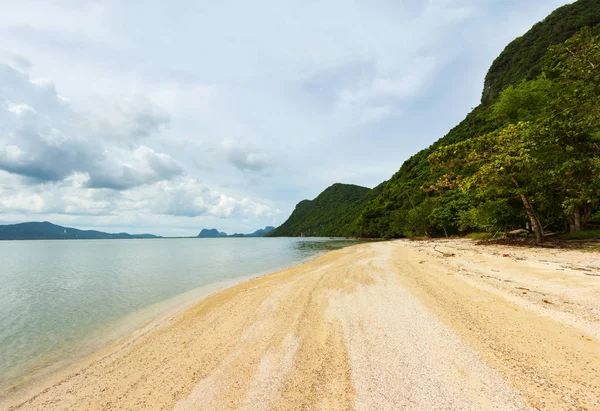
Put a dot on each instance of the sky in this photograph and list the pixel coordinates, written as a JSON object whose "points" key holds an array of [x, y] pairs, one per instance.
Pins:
{"points": [[170, 117]]}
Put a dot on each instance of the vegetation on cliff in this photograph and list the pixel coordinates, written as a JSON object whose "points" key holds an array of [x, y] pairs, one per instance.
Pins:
{"points": [[330, 214], [527, 157], [547, 153], [523, 58]]}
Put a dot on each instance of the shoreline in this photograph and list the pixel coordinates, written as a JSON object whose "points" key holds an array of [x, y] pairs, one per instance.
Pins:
{"points": [[155, 315], [465, 327], [51, 375]]}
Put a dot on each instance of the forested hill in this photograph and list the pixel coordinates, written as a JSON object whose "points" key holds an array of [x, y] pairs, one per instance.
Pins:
{"points": [[48, 231], [525, 157], [523, 57], [391, 214], [330, 214]]}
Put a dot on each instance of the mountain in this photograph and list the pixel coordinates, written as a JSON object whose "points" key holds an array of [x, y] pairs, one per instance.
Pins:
{"points": [[261, 232], [214, 233], [394, 214], [411, 204], [211, 233], [49, 231], [523, 57], [330, 214]]}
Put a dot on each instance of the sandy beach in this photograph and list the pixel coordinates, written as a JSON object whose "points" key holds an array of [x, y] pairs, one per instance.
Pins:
{"points": [[393, 325]]}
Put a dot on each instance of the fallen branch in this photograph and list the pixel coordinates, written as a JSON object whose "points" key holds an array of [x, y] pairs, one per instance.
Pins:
{"points": [[443, 253]]}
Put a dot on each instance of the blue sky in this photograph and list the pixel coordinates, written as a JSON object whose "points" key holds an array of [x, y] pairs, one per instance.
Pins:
{"points": [[169, 117]]}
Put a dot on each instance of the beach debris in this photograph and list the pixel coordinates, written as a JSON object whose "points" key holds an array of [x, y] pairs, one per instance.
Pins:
{"points": [[443, 253], [505, 255], [546, 301]]}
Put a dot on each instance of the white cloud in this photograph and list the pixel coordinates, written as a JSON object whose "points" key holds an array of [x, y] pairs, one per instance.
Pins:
{"points": [[188, 197], [43, 139], [133, 119], [19, 109], [182, 199], [244, 157]]}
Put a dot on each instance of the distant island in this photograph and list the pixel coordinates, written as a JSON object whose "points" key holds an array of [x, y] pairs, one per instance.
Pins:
{"points": [[48, 231], [214, 233], [211, 233]]}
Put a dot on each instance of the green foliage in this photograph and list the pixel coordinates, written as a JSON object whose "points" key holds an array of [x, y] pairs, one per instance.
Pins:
{"points": [[480, 236], [524, 102], [582, 235], [328, 215], [572, 125], [498, 165], [499, 158], [446, 215], [418, 222], [551, 158], [498, 215], [522, 59]]}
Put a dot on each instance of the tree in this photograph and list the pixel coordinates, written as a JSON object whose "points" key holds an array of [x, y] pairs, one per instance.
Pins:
{"points": [[499, 165], [548, 150], [573, 124]]}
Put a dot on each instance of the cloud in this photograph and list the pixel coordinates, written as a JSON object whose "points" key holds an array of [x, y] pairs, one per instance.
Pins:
{"points": [[19, 109], [141, 166], [67, 197], [44, 140], [181, 197], [245, 158], [134, 119], [188, 197], [386, 91], [15, 60], [107, 118]]}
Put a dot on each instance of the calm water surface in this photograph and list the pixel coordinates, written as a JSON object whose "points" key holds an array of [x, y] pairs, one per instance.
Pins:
{"points": [[61, 299]]}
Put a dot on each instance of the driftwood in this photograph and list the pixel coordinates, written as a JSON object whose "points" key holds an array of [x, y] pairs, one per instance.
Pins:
{"points": [[443, 253], [516, 233]]}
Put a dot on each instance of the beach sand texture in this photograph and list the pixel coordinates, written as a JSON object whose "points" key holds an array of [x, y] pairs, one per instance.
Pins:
{"points": [[378, 326]]}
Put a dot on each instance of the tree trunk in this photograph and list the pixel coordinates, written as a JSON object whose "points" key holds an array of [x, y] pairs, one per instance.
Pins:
{"points": [[587, 214], [536, 226], [575, 221]]}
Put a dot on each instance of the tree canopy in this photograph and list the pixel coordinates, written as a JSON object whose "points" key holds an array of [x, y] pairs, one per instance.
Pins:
{"points": [[548, 153]]}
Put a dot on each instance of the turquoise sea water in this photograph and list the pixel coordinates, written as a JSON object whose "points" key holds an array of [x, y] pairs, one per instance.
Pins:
{"points": [[61, 299]]}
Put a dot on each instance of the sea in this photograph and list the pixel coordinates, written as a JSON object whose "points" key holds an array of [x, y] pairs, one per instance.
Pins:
{"points": [[63, 299]]}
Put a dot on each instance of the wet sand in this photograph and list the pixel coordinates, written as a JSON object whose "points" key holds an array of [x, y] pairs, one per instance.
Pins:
{"points": [[393, 325]]}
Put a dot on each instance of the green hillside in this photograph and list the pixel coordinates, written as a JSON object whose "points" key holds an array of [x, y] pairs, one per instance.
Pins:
{"points": [[540, 107], [330, 214], [523, 57], [391, 214]]}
